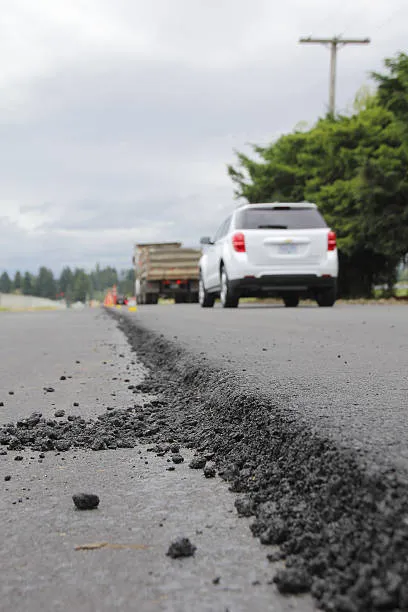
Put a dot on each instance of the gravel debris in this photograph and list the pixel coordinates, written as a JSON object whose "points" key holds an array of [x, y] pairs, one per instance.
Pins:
{"points": [[341, 528], [86, 501], [293, 580], [62, 445], [182, 547], [59, 413], [197, 463], [209, 471], [177, 458], [7, 478]]}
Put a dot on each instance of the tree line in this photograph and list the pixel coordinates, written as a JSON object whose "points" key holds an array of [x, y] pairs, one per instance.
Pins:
{"points": [[71, 285], [355, 168]]}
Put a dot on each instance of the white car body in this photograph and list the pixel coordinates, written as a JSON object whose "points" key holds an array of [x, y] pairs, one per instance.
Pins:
{"points": [[276, 249]]}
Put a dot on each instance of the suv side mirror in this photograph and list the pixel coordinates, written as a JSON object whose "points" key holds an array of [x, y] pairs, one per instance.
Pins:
{"points": [[206, 240]]}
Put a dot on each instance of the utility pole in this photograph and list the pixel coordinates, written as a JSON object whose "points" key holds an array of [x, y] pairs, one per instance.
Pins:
{"points": [[334, 44]]}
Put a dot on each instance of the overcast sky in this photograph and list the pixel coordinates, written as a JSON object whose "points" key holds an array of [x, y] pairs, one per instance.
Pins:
{"points": [[118, 117]]}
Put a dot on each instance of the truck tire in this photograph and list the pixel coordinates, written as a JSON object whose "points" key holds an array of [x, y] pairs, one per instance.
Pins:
{"points": [[291, 300]]}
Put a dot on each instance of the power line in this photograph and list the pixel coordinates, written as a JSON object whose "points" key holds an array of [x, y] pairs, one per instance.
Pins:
{"points": [[334, 43]]}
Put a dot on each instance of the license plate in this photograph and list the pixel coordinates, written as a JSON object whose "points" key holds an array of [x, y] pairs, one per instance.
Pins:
{"points": [[174, 286], [288, 249]]}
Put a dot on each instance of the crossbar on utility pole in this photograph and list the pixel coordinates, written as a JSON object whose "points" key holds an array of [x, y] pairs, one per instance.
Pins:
{"points": [[334, 44]]}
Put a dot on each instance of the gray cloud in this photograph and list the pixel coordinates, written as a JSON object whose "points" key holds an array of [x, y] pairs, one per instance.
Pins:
{"points": [[117, 120]]}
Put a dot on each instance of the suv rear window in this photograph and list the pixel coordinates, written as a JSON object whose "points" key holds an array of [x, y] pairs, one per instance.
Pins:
{"points": [[282, 218]]}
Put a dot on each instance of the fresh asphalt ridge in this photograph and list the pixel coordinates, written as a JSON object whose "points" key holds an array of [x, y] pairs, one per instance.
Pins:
{"points": [[81, 364], [305, 412]]}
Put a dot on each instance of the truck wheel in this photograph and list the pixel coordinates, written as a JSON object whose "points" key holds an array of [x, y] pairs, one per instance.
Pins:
{"points": [[326, 297], [205, 299], [291, 301], [229, 298]]}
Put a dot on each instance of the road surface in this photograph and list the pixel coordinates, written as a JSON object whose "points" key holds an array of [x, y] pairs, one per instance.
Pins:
{"points": [[143, 506], [344, 370], [305, 411]]}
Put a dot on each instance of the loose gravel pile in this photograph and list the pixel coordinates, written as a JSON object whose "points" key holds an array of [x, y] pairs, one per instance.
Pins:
{"points": [[341, 525]]}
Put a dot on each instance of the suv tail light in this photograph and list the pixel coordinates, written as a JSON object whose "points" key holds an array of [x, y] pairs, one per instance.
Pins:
{"points": [[331, 241], [238, 242]]}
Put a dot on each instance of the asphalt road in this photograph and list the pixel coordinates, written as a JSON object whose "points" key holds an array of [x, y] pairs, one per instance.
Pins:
{"points": [[143, 506], [343, 370]]}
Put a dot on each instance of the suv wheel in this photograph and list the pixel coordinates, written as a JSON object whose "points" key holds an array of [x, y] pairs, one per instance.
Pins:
{"points": [[205, 299], [326, 297], [229, 299], [291, 301]]}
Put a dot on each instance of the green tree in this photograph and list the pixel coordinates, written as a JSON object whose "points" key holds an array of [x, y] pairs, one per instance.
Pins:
{"points": [[127, 282], [354, 168], [81, 286], [393, 91], [27, 284], [17, 281], [65, 280], [45, 285], [5, 283]]}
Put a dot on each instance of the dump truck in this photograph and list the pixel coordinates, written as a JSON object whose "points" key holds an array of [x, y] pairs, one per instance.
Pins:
{"points": [[166, 270]]}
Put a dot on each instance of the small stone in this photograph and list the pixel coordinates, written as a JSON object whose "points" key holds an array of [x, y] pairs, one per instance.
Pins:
{"points": [[76, 404], [1, 404], [275, 556], [86, 501], [63, 378], [59, 413], [11, 392], [197, 463], [177, 458], [18, 458], [209, 471], [7, 478], [62, 445], [182, 547], [41, 456], [175, 448], [98, 444], [170, 469], [216, 580], [293, 580], [77, 361], [49, 389], [243, 506]]}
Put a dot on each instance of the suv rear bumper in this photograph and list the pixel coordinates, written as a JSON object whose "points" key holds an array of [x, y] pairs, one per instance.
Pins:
{"points": [[281, 283]]}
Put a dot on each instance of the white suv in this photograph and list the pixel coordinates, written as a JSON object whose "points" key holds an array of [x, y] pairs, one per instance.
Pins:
{"points": [[264, 250]]}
